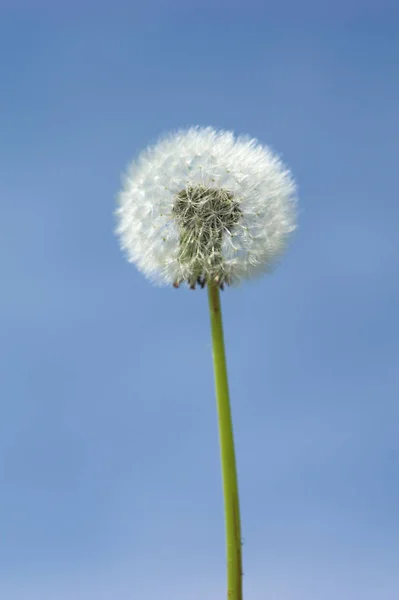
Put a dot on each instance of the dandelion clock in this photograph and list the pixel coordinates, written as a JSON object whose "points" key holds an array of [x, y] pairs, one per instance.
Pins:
{"points": [[204, 208]]}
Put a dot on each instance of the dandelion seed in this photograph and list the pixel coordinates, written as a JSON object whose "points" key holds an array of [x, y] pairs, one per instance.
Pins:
{"points": [[202, 204]]}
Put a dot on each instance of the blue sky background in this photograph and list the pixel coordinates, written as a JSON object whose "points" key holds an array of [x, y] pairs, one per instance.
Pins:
{"points": [[109, 462]]}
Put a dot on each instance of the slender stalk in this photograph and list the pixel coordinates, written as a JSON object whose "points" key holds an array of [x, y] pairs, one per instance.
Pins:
{"points": [[229, 470]]}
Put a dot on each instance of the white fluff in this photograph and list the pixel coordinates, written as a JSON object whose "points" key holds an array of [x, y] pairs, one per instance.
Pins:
{"points": [[203, 158]]}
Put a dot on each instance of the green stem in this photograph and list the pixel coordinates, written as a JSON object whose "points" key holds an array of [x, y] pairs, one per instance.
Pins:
{"points": [[229, 470]]}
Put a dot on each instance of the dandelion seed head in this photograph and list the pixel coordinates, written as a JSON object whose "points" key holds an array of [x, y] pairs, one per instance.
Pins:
{"points": [[203, 205]]}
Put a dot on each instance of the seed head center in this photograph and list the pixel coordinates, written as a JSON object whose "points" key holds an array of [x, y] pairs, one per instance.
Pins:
{"points": [[204, 215]]}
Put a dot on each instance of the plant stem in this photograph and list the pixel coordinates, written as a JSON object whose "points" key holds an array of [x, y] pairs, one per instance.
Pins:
{"points": [[229, 470]]}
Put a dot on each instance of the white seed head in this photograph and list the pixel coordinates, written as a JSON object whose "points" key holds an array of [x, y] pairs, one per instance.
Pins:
{"points": [[202, 205]]}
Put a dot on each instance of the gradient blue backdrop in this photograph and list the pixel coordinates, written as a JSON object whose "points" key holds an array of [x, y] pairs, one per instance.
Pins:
{"points": [[109, 466]]}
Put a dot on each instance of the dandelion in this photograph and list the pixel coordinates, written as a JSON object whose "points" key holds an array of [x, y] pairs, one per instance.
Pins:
{"points": [[205, 208]]}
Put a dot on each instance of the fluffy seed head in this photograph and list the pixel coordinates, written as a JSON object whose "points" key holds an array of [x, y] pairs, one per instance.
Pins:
{"points": [[202, 205]]}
